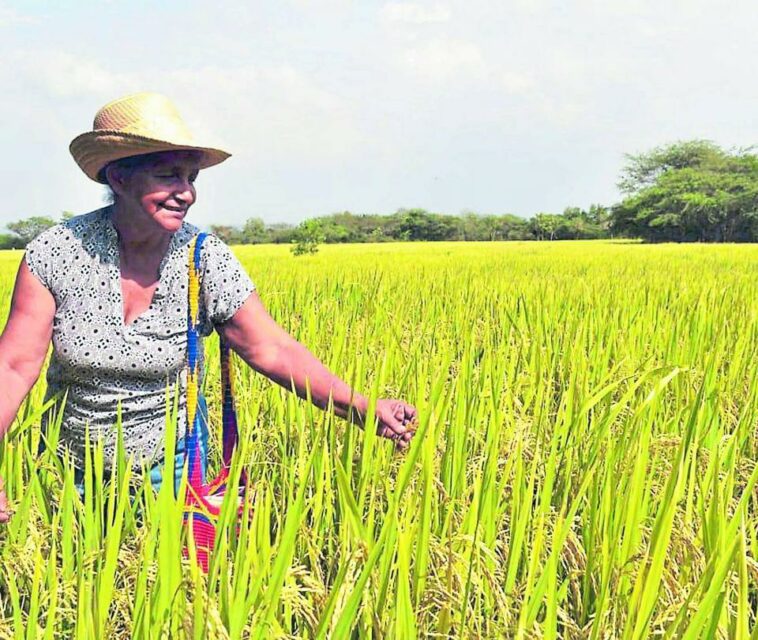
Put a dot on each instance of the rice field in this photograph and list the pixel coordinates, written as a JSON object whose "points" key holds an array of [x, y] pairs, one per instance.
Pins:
{"points": [[585, 464]]}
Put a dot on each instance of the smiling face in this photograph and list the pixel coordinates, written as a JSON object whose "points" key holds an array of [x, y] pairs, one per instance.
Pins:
{"points": [[157, 189]]}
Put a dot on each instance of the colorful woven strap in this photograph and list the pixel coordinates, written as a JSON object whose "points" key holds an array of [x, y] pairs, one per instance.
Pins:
{"points": [[229, 415], [194, 376]]}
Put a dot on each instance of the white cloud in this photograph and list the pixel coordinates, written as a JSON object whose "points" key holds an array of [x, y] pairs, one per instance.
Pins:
{"points": [[61, 74], [516, 82], [274, 108], [268, 111], [444, 58], [414, 13], [10, 17]]}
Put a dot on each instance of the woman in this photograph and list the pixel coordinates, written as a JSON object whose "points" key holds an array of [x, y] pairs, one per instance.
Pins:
{"points": [[109, 288]]}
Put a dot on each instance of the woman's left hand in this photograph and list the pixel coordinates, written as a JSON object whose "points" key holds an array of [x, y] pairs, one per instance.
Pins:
{"points": [[396, 420]]}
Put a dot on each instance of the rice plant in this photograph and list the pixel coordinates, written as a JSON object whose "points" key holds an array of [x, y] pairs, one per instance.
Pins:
{"points": [[584, 466]]}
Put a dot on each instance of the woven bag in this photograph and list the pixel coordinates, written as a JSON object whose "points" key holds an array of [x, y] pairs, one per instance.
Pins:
{"points": [[204, 499]]}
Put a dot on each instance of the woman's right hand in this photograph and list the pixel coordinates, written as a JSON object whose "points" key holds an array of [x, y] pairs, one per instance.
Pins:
{"points": [[5, 514]]}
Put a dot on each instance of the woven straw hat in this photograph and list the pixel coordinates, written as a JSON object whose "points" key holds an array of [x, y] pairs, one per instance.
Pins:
{"points": [[135, 125]]}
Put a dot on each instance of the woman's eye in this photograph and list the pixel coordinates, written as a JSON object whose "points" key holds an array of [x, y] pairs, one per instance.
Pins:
{"points": [[174, 176]]}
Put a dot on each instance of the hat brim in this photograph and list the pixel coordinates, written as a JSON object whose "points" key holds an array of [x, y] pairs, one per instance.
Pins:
{"points": [[93, 150]]}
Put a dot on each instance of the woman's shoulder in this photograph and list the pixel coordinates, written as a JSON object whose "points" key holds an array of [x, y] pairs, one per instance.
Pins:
{"points": [[215, 243], [217, 260], [75, 229], [51, 254], [96, 217], [212, 244]]}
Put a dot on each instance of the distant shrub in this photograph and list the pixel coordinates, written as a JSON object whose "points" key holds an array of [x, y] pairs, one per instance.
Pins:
{"points": [[307, 237]]}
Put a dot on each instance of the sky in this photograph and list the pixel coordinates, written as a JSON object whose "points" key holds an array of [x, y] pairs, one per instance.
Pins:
{"points": [[458, 105]]}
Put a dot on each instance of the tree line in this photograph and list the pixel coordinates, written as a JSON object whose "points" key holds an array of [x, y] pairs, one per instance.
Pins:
{"points": [[420, 224], [686, 191]]}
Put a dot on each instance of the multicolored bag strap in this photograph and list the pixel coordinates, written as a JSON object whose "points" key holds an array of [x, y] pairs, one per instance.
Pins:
{"points": [[194, 377]]}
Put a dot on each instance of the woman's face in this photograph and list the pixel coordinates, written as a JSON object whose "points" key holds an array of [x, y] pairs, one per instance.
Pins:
{"points": [[161, 189]]}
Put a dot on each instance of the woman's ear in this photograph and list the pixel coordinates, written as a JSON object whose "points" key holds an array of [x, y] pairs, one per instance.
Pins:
{"points": [[116, 178]]}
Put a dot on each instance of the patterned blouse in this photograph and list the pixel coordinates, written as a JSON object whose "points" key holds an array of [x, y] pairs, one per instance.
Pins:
{"points": [[102, 363]]}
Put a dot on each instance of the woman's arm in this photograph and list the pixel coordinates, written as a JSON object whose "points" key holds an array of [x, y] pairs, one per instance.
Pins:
{"points": [[23, 347], [24, 342], [270, 350]]}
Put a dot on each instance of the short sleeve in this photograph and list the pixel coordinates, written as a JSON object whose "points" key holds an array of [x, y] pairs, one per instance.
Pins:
{"points": [[41, 254], [226, 285]]}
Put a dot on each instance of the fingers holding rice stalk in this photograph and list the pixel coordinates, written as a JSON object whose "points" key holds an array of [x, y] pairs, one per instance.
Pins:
{"points": [[396, 420]]}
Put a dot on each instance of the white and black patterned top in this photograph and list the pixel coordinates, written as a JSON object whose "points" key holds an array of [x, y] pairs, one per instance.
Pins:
{"points": [[98, 360]]}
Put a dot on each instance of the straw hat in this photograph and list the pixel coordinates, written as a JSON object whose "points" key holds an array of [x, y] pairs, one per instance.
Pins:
{"points": [[135, 125]]}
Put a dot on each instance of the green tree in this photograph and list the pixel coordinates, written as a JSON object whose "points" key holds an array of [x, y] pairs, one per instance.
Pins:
{"points": [[472, 226], [574, 213], [346, 227], [577, 223], [419, 224], [643, 170], [513, 227], [28, 229], [9, 241], [281, 232], [489, 228], [545, 225], [307, 237], [333, 233], [254, 232], [710, 196], [599, 216]]}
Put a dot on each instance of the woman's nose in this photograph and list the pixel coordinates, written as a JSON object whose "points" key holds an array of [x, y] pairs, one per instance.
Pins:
{"points": [[185, 192]]}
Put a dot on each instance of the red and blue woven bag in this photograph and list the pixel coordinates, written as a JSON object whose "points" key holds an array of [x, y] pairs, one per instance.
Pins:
{"points": [[204, 498]]}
